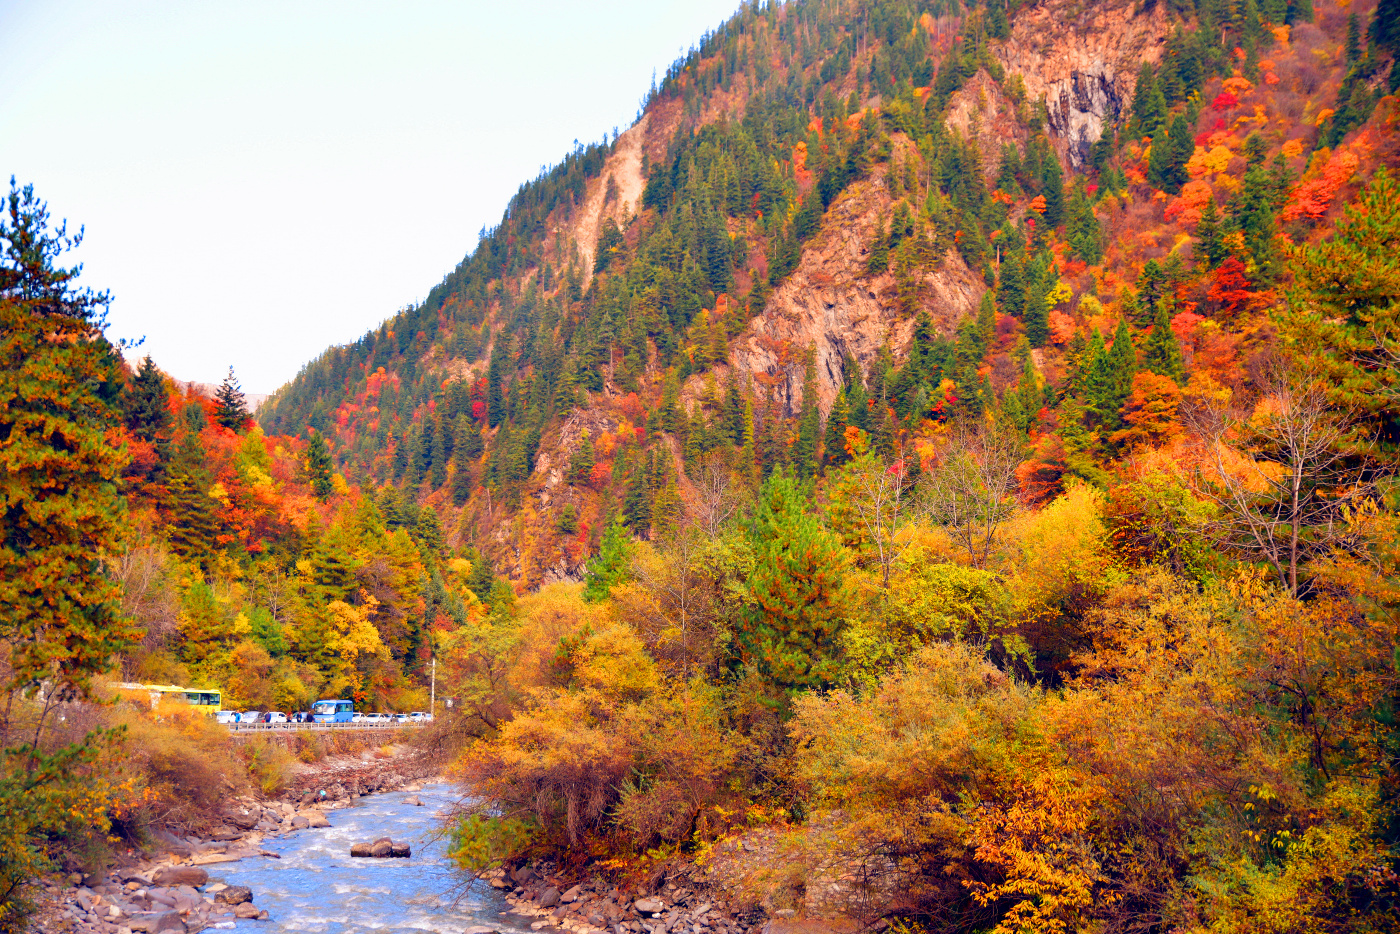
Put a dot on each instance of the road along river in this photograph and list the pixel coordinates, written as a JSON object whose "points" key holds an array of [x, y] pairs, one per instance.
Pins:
{"points": [[316, 886]]}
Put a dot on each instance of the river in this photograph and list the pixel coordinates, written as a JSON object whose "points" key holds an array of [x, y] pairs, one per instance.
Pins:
{"points": [[317, 888]]}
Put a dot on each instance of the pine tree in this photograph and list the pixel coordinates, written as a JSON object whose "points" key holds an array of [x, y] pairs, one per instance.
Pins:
{"points": [[581, 464], [834, 444], [1210, 248], [467, 445], [856, 399], [1342, 320], [804, 451], [1121, 365], [1171, 148], [879, 260], [146, 404], [883, 440], [230, 408], [1149, 105], [1353, 41], [495, 383], [461, 480], [1082, 229], [318, 466], [1162, 352], [670, 402], [1053, 189], [191, 526], [797, 592], [612, 566], [636, 504], [60, 512], [441, 451]]}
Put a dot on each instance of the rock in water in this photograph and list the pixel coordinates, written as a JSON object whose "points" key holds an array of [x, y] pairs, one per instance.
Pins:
{"points": [[401, 850], [413, 800], [382, 849], [235, 895], [361, 849], [246, 910], [314, 818]]}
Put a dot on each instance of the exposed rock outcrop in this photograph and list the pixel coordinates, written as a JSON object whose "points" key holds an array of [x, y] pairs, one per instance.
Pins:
{"points": [[831, 304], [980, 111], [1084, 60]]}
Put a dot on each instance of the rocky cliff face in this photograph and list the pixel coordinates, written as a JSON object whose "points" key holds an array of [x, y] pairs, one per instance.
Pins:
{"points": [[831, 304], [980, 111], [1083, 59], [615, 193]]}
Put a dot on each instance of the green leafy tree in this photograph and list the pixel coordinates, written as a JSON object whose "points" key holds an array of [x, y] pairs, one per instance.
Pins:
{"points": [[797, 594]]}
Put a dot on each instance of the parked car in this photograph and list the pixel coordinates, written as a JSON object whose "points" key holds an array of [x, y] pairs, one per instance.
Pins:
{"points": [[226, 716], [252, 716], [274, 716], [418, 716]]}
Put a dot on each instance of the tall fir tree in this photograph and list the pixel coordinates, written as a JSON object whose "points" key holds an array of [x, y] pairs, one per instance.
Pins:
{"points": [[319, 469], [804, 451], [1162, 352], [797, 593], [146, 404], [61, 516], [611, 566], [230, 408]]}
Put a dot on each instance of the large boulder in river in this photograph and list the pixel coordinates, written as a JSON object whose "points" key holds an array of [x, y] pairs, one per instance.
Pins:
{"points": [[314, 818], [180, 875], [401, 850], [234, 895], [361, 849], [381, 849]]}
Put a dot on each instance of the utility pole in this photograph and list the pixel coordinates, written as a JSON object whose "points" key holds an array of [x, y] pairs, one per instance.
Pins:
{"points": [[432, 697]]}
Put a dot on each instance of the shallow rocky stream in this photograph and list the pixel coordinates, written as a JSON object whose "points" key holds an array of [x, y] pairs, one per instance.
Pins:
{"points": [[317, 887]]}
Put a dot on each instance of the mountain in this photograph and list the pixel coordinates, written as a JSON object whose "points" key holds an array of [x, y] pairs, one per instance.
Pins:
{"points": [[913, 214]]}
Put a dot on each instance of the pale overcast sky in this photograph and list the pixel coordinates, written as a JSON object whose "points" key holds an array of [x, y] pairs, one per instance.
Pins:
{"points": [[260, 180]]}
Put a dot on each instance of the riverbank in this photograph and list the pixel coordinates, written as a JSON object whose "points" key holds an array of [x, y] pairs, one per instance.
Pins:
{"points": [[675, 901], [166, 888]]}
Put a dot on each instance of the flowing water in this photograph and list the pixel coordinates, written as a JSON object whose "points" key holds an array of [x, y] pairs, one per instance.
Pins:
{"points": [[317, 888]]}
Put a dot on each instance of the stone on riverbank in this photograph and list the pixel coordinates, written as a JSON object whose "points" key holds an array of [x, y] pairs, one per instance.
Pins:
{"points": [[180, 875], [155, 922]]}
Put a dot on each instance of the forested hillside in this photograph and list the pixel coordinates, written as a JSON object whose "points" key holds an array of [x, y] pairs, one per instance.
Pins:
{"points": [[937, 465], [976, 252]]}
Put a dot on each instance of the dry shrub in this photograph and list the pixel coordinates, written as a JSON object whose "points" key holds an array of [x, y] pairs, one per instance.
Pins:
{"points": [[269, 764], [184, 763]]}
